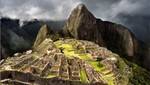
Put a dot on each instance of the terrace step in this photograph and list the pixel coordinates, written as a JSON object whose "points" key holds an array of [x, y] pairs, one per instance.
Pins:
{"points": [[23, 62]]}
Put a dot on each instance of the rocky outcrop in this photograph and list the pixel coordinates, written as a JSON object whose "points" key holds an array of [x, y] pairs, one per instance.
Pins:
{"points": [[32, 27], [117, 37], [120, 40], [82, 25], [43, 33]]}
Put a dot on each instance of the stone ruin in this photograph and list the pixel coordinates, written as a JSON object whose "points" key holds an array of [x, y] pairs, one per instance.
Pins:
{"points": [[50, 68]]}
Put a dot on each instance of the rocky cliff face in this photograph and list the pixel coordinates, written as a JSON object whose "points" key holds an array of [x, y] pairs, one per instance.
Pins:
{"points": [[83, 25], [117, 37], [43, 33]]}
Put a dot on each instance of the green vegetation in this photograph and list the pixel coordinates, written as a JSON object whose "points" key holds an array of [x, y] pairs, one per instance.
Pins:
{"points": [[70, 54], [84, 56], [51, 76], [121, 64], [71, 51], [97, 66], [139, 75], [83, 76], [66, 46], [54, 37], [101, 68], [108, 80]]}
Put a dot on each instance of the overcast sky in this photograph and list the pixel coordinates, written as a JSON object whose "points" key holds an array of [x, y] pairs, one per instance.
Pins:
{"points": [[130, 13], [60, 9]]}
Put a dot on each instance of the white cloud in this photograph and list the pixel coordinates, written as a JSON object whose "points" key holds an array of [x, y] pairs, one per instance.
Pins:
{"points": [[59, 10], [40, 9], [130, 7]]}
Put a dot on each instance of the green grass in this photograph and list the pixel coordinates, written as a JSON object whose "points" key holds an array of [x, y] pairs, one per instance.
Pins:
{"points": [[106, 71], [51, 76], [108, 80], [84, 56], [57, 43], [83, 76], [66, 46], [110, 75], [70, 52], [97, 66]]}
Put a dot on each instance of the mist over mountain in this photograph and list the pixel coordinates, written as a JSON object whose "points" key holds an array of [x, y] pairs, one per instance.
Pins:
{"points": [[16, 38]]}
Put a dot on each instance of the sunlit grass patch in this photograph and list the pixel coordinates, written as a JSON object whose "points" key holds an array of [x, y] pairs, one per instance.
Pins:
{"points": [[83, 76], [70, 54], [97, 66], [84, 56], [109, 80], [51, 76], [66, 46], [106, 71]]}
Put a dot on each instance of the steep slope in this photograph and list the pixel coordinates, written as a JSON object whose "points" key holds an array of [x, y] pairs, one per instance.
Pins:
{"points": [[13, 38], [117, 37], [44, 32], [32, 28], [81, 25], [120, 40]]}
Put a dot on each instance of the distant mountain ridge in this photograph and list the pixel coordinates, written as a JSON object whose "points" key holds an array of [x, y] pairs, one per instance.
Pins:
{"points": [[24, 35]]}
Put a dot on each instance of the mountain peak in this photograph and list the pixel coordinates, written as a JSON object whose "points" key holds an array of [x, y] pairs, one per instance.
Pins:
{"points": [[82, 24], [80, 9], [43, 33], [81, 6]]}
